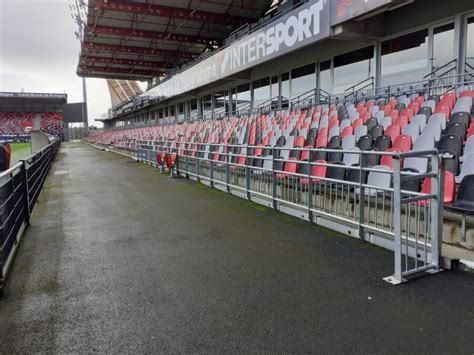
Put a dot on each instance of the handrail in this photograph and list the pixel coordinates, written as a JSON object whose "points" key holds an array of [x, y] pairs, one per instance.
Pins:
{"points": [[439, 68], [352, 88]]}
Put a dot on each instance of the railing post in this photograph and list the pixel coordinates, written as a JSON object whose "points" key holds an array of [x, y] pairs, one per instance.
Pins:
{"points": [[361, 199], [397, 220], [310, 189], [227, 169], [435, 182], [24, 173], [186, 161], [274, 185], [247, 172], [211, 169]]}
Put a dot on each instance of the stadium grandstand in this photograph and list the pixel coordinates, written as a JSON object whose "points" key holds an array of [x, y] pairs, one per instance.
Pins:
{"points": [[298, 158], [313, 91], [21, 112]]}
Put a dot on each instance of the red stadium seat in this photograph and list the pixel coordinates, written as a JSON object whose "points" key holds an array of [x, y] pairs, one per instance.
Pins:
{"points": [[393, 131]]}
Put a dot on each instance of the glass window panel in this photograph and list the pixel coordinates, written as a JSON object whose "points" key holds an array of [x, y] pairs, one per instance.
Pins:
{"points": [[243, 96], [406, 53], [261, 90], [470, 45], [325, 76], [443, 45], [274, 87], [285, 87], [303, 79], [352, 68]]}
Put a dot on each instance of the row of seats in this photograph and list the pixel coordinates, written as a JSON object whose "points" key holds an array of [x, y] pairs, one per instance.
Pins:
{"points": [[398, 124]]}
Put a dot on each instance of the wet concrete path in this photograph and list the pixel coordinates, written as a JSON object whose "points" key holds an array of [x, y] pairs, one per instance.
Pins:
{"points": [[122, 259]]}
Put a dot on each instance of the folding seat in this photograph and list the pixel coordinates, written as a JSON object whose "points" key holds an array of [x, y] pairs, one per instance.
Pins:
{"points": [[334, 142], [374, 109], [333, 123], [317, 172], [289, 168], [382, 143], [357, 123], [303, 132], [438, 117], [344, 124], [417, 164], [427, 111], [470, 131], [378, 179], [444, 109], [321, 142], [347, 131], [449, 188], [424, 142], [379, 115], [386, 121], [354, 115], [367, 116], [400, 107], [371, 122], [467, 167], [467, 93], [370, 160], [323, 132], [402, 143], [468, 148], [464, 203], [364, 142], [433, 129], [402, 121], [360, 131], [451, 144], [462, 117], [433, 99], [456, 128], [413, 130], [324, 122], [336, 156], [394, 114], [336, 173], [376, 131], [393, 131], [335, 131], [348, 142], [420, 120]]}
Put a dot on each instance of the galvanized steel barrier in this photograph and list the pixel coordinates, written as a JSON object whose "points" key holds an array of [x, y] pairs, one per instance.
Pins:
{"points": [[19, 190], [381, 210]]}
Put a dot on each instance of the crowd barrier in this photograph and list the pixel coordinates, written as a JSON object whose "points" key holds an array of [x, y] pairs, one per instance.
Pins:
{"points": [[20, 187], [374, 204]]}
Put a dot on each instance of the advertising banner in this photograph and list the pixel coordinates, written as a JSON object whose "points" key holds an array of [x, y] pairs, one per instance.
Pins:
{"points": [[304, 25]]}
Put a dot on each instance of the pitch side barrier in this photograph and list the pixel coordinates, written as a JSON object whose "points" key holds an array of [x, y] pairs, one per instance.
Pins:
{"points": [[370, 205], [20, 187]]}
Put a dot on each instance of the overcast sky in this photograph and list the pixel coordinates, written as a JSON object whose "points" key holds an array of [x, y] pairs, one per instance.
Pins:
{"points": [[39, 53]]}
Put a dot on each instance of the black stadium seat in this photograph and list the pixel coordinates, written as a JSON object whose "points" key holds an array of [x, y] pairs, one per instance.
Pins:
{"points": [[464, 203], [460, 117], [456, 128], [364, 142], [383, 143], [376, 132]]}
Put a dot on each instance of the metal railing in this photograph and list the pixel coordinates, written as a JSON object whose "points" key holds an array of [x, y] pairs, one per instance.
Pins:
{"points": [[19, 190], [388, 215], [360, 86]]}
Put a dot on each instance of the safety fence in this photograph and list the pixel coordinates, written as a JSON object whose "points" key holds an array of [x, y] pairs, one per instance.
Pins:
{"points": [[359, 197], [20, 187]]}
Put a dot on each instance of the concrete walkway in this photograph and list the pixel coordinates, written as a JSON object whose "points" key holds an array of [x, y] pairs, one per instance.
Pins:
{"points": [[122, 259]]}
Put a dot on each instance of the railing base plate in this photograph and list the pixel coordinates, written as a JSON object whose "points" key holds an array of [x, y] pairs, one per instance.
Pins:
{"points": [[394, 281]]}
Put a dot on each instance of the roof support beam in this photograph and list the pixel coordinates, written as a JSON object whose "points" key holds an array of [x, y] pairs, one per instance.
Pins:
{"points": [[171, 12], [90, 69], [91, 60], [137, 50], [120, 31]]}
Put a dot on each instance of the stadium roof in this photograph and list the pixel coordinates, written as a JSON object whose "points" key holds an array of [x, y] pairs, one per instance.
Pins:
{"points": [[142, 39], [31, 101]]}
